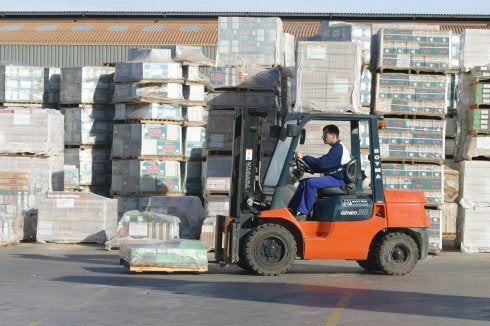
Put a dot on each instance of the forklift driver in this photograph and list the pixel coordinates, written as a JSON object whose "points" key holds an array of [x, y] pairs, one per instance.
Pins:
{"points": [[331, 164]]}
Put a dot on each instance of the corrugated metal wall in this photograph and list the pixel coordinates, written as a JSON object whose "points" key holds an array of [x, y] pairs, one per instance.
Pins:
{"points": [[73, 55]]}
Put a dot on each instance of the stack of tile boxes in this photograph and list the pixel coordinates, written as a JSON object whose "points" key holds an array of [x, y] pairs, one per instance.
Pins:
{"points": [[159, 131], [361, 34], [411, 92], [251, 56], [86, 102], [473, 152], [328, 77], [31, 148]]}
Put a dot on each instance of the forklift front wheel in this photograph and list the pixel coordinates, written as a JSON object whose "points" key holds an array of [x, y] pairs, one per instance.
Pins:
{"points": [[397, 254], [270, 249]]}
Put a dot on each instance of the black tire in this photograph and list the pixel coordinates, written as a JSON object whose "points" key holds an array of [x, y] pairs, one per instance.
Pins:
{"points": [[270, 249], [369, 264], [396, 254]]}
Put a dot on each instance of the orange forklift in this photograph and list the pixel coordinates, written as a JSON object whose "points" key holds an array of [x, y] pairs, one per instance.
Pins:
{"points": [[385, 231]]}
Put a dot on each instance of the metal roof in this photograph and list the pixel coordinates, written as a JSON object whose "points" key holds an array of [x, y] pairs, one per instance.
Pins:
{"points": [[282, 14], [113, 31]]}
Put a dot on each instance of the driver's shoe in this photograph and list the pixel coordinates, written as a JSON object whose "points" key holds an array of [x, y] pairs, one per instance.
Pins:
{"points": [[301, 217]]}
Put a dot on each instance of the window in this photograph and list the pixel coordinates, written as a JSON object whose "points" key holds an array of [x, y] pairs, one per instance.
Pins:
{"points": [[154, 28], [47, 28], [11, 28], [118, 28], [82, 28]]}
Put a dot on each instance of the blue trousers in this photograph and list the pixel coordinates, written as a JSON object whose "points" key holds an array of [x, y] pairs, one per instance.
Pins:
{"points": [[305, 194]]}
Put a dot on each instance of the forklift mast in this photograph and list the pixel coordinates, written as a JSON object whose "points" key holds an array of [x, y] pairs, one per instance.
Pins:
{"points": [[245, 186]]}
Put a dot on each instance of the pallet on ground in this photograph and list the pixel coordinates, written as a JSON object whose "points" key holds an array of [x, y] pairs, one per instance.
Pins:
{"points": [[164, 269]]}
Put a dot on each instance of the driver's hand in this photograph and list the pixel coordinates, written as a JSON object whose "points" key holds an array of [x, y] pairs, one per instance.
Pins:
{"points": [[298, 154]]}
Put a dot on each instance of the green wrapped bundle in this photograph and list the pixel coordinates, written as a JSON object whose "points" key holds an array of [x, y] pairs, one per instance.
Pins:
{"points": [[165, 256]]}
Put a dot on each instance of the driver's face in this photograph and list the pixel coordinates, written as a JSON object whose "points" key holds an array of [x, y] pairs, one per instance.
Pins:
{"points": [[328, 138]]}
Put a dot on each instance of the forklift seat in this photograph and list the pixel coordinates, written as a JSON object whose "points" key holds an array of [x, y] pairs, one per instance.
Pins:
{"points": [[351, 175]]}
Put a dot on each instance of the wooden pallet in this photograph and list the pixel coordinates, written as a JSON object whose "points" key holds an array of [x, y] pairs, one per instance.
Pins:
{"points": [[164, 269]]}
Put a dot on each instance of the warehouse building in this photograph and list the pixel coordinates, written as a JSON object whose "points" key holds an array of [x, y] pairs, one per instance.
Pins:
{"points": [[65, 39]]}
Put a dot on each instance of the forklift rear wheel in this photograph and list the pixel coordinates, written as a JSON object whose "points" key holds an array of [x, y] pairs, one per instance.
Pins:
{"points": [[397, 254], [270, 249]]}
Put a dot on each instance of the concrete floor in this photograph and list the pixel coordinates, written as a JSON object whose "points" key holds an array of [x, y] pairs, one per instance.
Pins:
{"points": [[49, 284]]}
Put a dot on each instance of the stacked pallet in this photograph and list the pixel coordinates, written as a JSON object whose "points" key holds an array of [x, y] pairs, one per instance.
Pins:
{"points": [[76, 217], [86, 103], [361, 34], [253, 59], [31, 164], [412, 94], [159, 130], [328, 77], [473, 152]]}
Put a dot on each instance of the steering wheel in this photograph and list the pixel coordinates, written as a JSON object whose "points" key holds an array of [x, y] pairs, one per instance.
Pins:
{"points": [[302, 165]]}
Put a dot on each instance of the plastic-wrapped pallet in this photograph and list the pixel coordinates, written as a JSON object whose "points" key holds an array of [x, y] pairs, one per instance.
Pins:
{"points": [[189, 55], [435, 230], [252, 78], [398, 93], [289, 55], [218, 174], [148, 71], [196, 115], [94, 164], [72, 217], [144, 111], [11, 229], [376, 27], [133, 140], [87, 85], [20, 211], [474, 48], [139, 92], [194, 142], [145, 176], [365, 91], [250, 41], [149, 55], [426, 50], [219, 135], [32, 131], [131, 203], [88, 125], [72, 176], [253, 99], [188, 209], [473, 227], [328, 77], [413, 139], [474, 114], [137, 227], [345, 32], [427, 178], [52, 80], [166, 256], [473, 224], [41, 174], [22, 84]]}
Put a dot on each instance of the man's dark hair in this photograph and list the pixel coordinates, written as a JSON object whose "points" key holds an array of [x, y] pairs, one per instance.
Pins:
{"points": [[331, 129]]}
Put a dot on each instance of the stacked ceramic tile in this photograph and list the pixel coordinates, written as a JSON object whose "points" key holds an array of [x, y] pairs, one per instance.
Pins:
{"points": [[74, 217], [159, 132], [31, 164], [86, 103], [328, 77]]}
